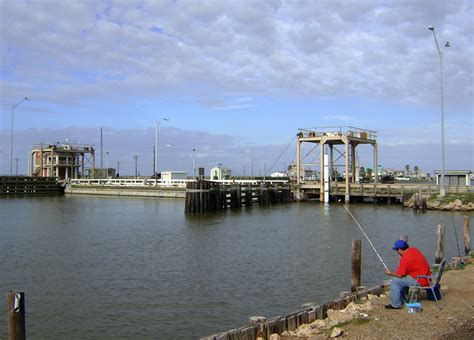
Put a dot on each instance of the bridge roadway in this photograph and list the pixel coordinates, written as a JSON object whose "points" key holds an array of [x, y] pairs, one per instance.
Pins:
{"points": [[395, 191]]}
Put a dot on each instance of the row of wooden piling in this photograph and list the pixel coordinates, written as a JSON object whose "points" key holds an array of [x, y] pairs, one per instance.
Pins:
{"points": [[263, 328], [440, 237], [203, 196], [24, 185]]}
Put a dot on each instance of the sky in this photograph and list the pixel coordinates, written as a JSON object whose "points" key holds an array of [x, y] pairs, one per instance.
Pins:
{"points": [[236, 79]]}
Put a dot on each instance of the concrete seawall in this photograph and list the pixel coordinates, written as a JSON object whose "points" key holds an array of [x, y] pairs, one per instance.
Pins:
{"points": [[125, 191]]}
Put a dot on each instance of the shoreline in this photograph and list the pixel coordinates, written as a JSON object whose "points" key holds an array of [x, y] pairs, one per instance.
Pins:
{"points": [[362, 315]]}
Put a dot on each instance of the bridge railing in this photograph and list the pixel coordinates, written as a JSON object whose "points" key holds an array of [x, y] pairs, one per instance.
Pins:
{"points": [[169, 183]]}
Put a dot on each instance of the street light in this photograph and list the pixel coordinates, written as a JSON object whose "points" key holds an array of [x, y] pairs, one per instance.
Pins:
{"points": [[440, 52], [155, 161], [11, 132]]}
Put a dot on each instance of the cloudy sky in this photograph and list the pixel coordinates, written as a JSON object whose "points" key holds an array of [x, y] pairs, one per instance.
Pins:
{"points": [[236, 78]]}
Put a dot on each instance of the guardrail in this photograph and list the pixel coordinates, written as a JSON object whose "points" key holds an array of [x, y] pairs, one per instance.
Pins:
{"points": [[168, 183]]}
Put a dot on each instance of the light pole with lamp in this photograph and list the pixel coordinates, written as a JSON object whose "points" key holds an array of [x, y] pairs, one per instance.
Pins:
{"points": [[11, 132], [155, 161], [440, 52]]}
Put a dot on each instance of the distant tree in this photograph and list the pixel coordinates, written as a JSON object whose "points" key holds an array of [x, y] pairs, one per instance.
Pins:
{"points": [[416, 169], [407, 169], [368, 171], [362, 172]]}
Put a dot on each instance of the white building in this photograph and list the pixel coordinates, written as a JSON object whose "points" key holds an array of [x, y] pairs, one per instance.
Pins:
{"points": [[454, 177], [166, 175], [220, 173]]}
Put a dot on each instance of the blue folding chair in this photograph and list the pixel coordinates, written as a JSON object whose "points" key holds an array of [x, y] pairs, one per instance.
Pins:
{"points": [[433, 281]]}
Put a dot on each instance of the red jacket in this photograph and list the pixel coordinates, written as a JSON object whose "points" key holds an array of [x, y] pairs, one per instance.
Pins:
{"points": [[414, 263]]}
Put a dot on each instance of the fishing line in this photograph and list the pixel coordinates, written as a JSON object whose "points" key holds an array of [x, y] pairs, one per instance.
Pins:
{"points": [[368, 239], [456, 234]]}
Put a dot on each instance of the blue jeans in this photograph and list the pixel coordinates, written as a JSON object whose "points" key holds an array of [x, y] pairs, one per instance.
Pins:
{"points": [[396, 286]]}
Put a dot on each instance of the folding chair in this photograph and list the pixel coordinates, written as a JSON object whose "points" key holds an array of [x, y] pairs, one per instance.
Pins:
{"points": [[433, 281]]}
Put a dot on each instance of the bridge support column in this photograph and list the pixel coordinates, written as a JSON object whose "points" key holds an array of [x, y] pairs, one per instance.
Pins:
{"points": [[347, 196], [321, 173]]}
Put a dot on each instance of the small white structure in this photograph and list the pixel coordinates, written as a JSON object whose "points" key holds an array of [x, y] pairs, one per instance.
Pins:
{"points": [[166, 175], [454, 177], [219, 173], [278, 174]]}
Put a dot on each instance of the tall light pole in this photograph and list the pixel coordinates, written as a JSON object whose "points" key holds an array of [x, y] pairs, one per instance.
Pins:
{"points": [[155, 161], [441, 80], [11, 133]]}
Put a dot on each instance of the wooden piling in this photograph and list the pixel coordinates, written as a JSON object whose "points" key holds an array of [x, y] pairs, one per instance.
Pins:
{"points": [[258, 321], [356, 264], [467, 236], [404, 238], [440, 235], [16, 315], [248, 195]]}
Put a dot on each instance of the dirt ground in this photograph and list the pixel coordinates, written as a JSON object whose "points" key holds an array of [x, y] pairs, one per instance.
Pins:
{"points": [[454, 321]]}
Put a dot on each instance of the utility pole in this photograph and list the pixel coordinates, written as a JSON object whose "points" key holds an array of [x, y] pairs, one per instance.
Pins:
{"points": [[101, 150], [194, 163], [118, 167], [264, 170], [136, 165], [16, 160]]}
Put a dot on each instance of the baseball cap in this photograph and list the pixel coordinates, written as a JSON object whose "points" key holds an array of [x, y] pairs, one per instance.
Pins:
{"points": [[399, 244]]}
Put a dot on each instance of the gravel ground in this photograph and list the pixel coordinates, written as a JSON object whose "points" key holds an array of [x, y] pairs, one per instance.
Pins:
{"points": [[454, 321]]}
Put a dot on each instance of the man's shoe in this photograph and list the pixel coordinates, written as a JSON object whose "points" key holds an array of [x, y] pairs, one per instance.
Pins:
{"points": [[389, 306]]}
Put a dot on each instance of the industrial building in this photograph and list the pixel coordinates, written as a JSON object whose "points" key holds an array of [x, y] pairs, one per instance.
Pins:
{"points": [[63, 161]]}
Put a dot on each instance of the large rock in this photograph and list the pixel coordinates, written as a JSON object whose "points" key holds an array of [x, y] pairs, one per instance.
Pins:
{"points": [[305, 331], [457, 202], [319, 324], [336, 332], [337, 317]]}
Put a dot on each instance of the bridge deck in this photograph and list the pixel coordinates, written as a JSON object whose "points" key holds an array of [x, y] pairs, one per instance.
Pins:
{"points": [[396, 190]]}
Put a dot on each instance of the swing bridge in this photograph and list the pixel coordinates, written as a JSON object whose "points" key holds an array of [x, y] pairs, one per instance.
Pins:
{"points": [[333, 148]]}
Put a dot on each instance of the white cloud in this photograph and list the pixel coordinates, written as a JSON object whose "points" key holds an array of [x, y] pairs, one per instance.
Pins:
{"points": [[349, 48]]}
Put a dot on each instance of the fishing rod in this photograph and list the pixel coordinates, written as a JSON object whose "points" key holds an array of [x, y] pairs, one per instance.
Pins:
{"points": [[368, 239]]}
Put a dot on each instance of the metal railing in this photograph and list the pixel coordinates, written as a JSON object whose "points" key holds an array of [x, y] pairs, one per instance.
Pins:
{"points": [[338, 131]]}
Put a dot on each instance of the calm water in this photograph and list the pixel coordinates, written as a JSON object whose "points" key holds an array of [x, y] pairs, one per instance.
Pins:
{"points": [[137, 267]]}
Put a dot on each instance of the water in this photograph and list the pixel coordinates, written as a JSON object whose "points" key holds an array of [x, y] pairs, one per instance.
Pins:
{"points": [[138, 267]]}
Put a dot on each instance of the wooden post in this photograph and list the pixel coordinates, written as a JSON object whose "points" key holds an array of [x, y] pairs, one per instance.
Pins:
{"points": [[440, 234], [404, 238], [467, 236], [356, 264], [258, 321], [16, 315]]}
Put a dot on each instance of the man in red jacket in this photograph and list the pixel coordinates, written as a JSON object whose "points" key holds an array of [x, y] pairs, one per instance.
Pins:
{"points": [[412, 263]]}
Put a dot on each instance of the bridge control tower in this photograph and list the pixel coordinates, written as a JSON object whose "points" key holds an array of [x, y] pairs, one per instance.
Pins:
{"points": [[327, 147]]}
